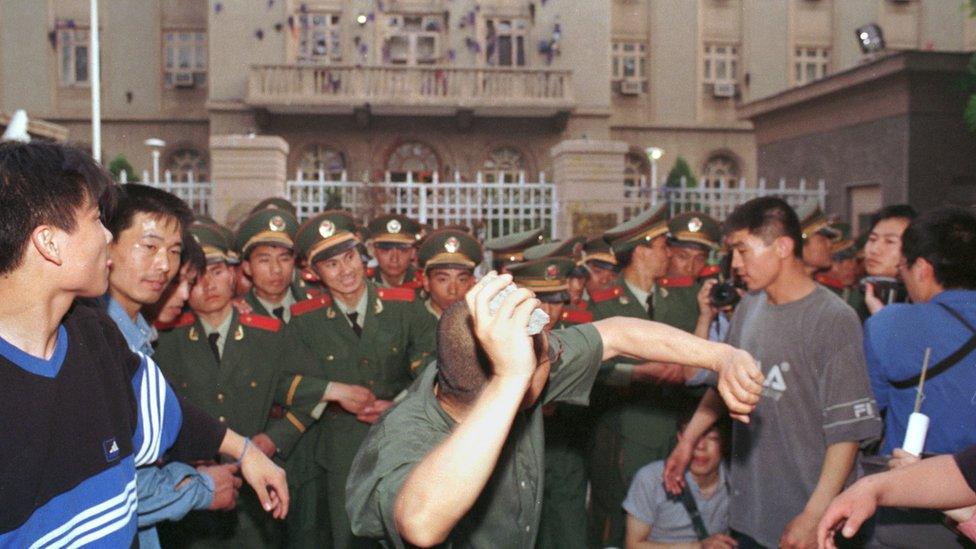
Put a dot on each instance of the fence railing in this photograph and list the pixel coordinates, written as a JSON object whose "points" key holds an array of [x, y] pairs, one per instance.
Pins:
{"points": [[195, 193], [490, 208]]}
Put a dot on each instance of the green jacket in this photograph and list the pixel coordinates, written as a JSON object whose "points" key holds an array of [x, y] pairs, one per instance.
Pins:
{"points": [[396, 341], [676, 302]]}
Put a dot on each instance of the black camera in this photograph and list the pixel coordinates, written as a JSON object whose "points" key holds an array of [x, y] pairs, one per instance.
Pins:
{"points": [[726, 292], [888, 290]]}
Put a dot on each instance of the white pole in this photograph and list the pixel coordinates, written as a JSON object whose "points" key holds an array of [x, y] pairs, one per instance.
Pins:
{"points": [[96, 85], [155, 157]]}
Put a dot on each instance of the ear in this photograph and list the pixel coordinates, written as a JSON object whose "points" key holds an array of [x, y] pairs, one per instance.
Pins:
{"points": [[784, 246], [44, 238], [246, 265], [426, 283], [923, 271]]}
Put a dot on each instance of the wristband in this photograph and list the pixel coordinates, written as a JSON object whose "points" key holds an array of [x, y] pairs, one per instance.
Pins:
{"points": [[247, 444]]}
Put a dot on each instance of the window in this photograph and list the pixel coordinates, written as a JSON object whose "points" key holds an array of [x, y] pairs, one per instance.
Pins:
{"points": [[503, 165], [73, 44], [413, 39], [185, 59], [320, 158], [417, 159], [720, 63], [186, 163], [319, 39], [720, 168], [809, 64], [505, 42], [629, 61]]}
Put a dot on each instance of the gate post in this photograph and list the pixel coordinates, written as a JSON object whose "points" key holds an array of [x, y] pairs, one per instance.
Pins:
{"points": [[589, 178], [245, 170]]}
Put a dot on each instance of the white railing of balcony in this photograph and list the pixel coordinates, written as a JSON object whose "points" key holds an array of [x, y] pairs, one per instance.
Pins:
{"points": [[195, 193]]}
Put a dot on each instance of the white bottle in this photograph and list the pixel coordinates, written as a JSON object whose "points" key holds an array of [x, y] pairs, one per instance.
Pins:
{"points": [[918, 427]]}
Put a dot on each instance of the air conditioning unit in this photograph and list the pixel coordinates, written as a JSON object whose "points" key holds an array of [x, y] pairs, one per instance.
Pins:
{"points": [[724, 89], [630, 87], [183, 80]]}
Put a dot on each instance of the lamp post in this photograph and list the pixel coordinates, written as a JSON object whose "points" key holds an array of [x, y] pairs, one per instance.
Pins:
{"points": [[96, 84], [156, 145], [654, 154]]}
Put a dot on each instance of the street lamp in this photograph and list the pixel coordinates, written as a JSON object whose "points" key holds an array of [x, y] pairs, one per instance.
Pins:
{"points": [[156, 145], [654, 154]]}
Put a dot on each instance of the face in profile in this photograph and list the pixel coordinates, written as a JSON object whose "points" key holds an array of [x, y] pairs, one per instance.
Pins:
{"points": [[755, 262], [170, 306], [84, 253], [600, 279], [653, 256]]}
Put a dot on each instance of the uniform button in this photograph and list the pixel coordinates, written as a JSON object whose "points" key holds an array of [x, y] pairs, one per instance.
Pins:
{"points": [[364, 362], [522, 484], [254, 384], [222, 419], [528, 528], [220, 397], [394, 349], [330, 357]]}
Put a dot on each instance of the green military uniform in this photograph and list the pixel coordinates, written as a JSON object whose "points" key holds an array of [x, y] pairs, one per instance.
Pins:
{"points": [[276, 203], [394, 342], [510, 248], [448, 249], [567, 426], [638, 422], [841, 250], [398, 231], [813, 220], [572, 248], [233, 379], [507, 513], [675, 300]]}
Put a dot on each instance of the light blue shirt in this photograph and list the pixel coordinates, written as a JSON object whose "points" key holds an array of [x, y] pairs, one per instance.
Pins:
{"points": [[158, 497]]}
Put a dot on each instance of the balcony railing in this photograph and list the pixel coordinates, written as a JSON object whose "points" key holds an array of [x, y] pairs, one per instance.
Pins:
{"points": [[337, 88]]}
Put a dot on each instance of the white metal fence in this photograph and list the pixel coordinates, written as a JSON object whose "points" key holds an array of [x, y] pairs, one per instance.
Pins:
{"points": [[490, 208], [195, 193]]}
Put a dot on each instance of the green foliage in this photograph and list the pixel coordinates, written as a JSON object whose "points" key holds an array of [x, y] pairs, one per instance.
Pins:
{"points": [[679, 170], [120, 164]]}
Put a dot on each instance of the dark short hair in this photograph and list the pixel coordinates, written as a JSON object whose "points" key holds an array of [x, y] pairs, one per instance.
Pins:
{"points": [[895, 211], [946, 238], [769, 218], [192, 254], [135, 198], [462, 365], [43, 183]]}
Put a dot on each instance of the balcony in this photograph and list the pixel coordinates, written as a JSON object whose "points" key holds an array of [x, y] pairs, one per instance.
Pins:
{"points": [[400, 90]]}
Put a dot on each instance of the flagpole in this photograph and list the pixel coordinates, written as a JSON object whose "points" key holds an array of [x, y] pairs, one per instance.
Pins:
{"points": [[96, 85]]}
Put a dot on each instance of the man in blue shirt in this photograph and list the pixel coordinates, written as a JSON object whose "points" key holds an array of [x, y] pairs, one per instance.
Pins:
{"points": [[939, 271]]}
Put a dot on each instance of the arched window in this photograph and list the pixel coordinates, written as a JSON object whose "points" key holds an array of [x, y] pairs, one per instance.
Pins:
{"points": [[503, 165], [316, 158], [718, 168], [184, 162], [415, 158], [636, 179]]}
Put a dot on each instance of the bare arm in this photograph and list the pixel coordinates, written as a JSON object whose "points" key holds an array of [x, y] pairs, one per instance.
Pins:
{"points": [[267, 479], [837, 464], [707, 413], [934, 483], [444, 485]]}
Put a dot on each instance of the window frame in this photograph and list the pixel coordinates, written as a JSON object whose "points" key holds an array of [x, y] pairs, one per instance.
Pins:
{"points": [[395, 25], [619, 55], [804, 60], [332, 31], [711, 58], [519, 28], [198, 45], [72, 81]]}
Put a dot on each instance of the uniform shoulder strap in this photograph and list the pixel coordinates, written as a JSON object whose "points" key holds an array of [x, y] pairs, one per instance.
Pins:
{"points": [[310, 305], [184, 320], [396, 294], [676, 282], [606, 295], [261, 322], [577, 317]]}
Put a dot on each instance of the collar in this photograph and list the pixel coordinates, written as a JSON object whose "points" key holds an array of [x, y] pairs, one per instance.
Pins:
{"points": [[223, 329], [360, 307], [641, 295], [955, 296], [430, 308], [139, 335], [287, 302]]}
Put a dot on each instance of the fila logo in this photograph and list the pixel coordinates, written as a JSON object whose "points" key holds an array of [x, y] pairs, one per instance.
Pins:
{"points": [[775, 384], [111, 449], [863, 409]]}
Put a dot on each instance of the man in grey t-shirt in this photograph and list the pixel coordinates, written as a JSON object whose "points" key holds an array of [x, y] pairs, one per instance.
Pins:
{"points": [[799, 448]]}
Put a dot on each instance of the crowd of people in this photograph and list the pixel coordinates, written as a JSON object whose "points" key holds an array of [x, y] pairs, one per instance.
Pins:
{"points": [[674, 381]]}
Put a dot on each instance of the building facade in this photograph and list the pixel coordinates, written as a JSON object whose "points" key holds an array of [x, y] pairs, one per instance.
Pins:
{"points": [[411, 88]]}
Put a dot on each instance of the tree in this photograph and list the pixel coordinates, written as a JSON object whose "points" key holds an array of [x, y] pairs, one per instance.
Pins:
{"points": [[681, 169], [120, 164]]}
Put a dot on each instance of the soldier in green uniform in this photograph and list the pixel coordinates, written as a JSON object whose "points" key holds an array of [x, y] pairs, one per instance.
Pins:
{"points": [[563, 523], [393, 240], [842, 276], [368, 343], [226, 363], [637, 424], [691, 237], [598, 258], [276, 203], [510, 248], [818, 235], [448, 257]]}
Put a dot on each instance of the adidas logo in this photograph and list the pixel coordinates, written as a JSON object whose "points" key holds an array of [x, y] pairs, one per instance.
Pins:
{"points": [[111, 449]]}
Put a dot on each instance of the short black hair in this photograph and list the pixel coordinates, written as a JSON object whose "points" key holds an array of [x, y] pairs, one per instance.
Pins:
{"points": [[769, 218], [462, 365], [45, 183], [135, 198], [895, 211], [946, 238], [192, 254]]}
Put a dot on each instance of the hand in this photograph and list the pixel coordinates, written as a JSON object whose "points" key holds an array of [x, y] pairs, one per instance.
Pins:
{"points": [[676, 465], [353, 398], [873, 303], [226, 485], [705, 308], [657, 372], [265, 444], [739, 383], [372, 413], [719, 541], [267, 480], [848, 510], [801, 532], [901, 458], [242, 306], [504, 336]]}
